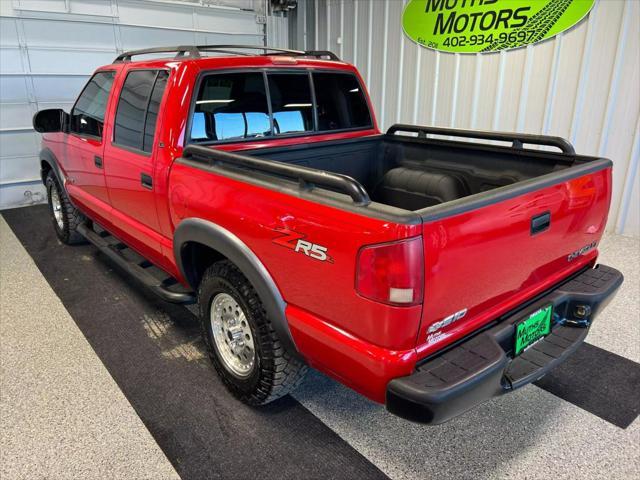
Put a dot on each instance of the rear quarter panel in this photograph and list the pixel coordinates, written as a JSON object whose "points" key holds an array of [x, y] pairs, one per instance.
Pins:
{"points": [[325, 289]]}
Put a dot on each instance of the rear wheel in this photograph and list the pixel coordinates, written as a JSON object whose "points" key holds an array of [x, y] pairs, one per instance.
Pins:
{"points": [[244, 348], [64, 216]]}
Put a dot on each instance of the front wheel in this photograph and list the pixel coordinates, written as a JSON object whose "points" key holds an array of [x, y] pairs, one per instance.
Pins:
{"points": [[244, 348], [65, 217]]}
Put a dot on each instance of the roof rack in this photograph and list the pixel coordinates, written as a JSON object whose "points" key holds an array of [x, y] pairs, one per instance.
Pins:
{"points": [[194, 51]]}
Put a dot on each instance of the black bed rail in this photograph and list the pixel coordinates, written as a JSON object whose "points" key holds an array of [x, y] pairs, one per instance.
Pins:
{"points": [[194, 51], [307, 178], [517, 139]]}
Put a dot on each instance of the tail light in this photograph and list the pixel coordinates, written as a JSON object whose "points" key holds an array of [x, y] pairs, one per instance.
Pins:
{"points": [[392, 273]]}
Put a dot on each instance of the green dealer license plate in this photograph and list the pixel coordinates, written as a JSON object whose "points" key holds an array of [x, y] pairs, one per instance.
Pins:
{"points": [[533, 328]]}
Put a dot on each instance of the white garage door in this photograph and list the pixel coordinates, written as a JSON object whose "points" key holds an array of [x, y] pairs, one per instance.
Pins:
{"points": [[48, 49]]}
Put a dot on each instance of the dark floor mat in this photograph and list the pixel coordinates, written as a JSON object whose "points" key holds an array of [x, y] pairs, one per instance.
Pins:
{"points": [[153, 351], [599, 382]]}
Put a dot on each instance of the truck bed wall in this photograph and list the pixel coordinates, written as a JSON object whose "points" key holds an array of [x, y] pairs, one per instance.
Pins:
{"points": [[367, 160]]}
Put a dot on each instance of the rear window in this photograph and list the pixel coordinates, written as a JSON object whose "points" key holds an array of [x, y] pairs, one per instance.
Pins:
{"points": [[291, 102], [231, 106], [340, 102], [238, 106]]}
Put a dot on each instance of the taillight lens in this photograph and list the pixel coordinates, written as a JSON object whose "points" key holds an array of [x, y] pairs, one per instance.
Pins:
{"points": [[392, 273]]}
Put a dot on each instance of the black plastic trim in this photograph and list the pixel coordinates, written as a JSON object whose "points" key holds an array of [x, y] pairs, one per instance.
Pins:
{"points": [[540, 223], [134, 269], [47, 156], [483, 366], [517, 139], [308, 177], [222, 241]]}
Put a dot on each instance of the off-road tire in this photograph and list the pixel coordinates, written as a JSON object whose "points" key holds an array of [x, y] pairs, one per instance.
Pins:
{"points": [[276, 372], [71, 216]]}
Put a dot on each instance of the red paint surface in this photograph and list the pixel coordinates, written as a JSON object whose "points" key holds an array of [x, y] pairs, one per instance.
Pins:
{"points": [[485, 260]]}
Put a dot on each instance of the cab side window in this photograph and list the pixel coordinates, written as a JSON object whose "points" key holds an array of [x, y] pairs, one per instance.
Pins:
{"points": [[87, 115], [138, 106]]}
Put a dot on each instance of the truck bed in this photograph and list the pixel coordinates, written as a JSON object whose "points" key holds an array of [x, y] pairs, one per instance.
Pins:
{"points": [[500, 224], [412, 172]]}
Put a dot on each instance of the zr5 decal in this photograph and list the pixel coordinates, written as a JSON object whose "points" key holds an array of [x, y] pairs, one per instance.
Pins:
{"points": [[295, 241]]}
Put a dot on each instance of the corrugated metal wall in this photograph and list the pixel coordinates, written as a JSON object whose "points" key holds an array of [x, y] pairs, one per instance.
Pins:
{"points": [[48, 49], [583, 85]]}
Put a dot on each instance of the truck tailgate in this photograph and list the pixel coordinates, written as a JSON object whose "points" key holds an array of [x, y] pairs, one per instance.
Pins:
{"points": [[486, 261]]}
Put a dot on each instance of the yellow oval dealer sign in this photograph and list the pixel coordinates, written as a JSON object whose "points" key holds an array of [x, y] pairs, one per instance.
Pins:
{"points": [[472, 26]]}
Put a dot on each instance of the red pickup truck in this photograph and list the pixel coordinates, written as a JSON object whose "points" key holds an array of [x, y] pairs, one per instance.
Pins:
{"points": [[429, 269]]}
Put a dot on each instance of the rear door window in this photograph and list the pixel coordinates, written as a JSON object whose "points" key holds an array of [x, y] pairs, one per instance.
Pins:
{"points": [[137, 112], [231, 106], [291, 102], [87, 115], [341, 103]]}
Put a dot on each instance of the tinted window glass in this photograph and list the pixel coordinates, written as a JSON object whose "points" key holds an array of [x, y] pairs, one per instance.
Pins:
{"points": [[231, 106], [341, 102], [152, 110], [132, 108], [87, 116], [291, 102]]}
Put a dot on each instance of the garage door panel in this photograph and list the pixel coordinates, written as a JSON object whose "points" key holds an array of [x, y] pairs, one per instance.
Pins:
{"points": [[16, 115], [221, 38], [91, 7], [11, 60], [52, 61], [19, 169], [18, 144], [140, 37], [229, 21], [21, 194], [8, 32], [156, 15], [66, 106], [64, 89], [13, 89], [68, 34], [54, 6]]}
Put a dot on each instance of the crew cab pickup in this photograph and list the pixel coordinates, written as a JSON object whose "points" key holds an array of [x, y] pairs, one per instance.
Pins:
{"points": [[427, 268]]}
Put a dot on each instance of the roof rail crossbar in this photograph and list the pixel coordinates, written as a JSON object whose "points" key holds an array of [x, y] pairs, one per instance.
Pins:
{"points": [[181, 51], [193, 51]]}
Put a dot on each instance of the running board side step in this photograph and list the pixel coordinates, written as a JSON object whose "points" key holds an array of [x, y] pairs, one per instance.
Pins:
{"points": [[137, 270]]}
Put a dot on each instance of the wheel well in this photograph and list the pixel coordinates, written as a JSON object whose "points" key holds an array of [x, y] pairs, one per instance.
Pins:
{"points": [[45, 168], [196, 258]]}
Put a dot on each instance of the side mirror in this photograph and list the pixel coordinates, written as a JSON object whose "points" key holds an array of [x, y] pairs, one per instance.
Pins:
{"points": [[50, 120]]}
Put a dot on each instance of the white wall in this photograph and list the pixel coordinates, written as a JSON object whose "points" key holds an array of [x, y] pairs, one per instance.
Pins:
{"points": [[48, 49], [583, 85]]}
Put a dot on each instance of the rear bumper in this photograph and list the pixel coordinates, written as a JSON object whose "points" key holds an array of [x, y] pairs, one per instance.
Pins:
{"points": [[483, 367]]}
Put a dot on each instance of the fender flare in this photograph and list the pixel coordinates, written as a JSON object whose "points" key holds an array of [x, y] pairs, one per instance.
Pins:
{"points": [[235, 250], [47, 156]]}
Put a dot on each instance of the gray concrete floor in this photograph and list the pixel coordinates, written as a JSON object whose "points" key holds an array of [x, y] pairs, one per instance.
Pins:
{"points": [[62, 416]]}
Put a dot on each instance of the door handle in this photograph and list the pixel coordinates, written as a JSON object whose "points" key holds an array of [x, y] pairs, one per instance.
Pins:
{"points": [[146, 181], [98, 161], [540, 223]]}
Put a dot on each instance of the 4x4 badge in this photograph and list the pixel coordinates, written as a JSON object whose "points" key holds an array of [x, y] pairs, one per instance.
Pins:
{"points": [[295, 241]]}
